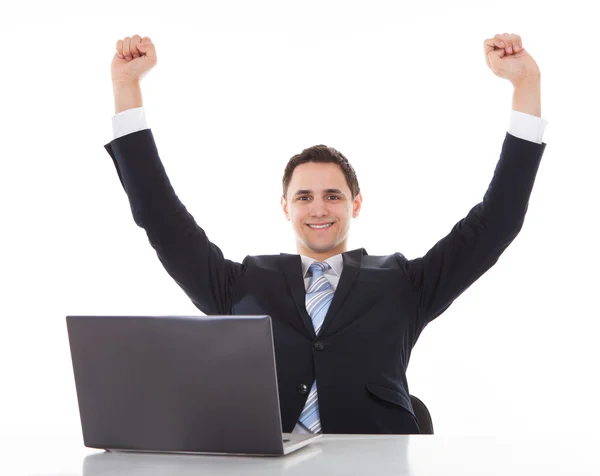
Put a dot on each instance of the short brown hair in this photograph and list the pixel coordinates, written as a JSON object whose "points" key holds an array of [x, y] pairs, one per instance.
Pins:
{"points": [[321, 154]]}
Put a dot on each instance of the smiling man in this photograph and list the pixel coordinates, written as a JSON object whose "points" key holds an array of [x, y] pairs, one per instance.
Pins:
{"points": [[344, 322], [320, 197]]}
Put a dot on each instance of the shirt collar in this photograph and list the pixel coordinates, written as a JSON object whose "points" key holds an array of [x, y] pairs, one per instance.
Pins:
{"points": [[336, 262]]}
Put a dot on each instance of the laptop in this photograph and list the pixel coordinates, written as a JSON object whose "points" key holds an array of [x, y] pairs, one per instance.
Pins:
{"points": [[179, 384]]}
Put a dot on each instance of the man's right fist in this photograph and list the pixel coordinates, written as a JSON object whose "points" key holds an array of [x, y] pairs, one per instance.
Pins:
{"points": [[134, 57]]}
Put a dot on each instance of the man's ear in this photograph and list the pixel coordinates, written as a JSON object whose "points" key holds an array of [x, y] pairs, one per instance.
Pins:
{"points": [[285, 207], [356, 205]]}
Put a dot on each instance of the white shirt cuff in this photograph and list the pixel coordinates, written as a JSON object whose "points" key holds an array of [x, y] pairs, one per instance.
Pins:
{"points": [[527, 127], [129, 121]]}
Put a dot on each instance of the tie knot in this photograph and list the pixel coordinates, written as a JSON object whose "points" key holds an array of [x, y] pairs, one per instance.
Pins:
{"points": [[319, 267]]}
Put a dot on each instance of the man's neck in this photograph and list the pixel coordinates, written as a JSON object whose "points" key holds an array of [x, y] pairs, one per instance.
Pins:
{"points": [[320, 256]]}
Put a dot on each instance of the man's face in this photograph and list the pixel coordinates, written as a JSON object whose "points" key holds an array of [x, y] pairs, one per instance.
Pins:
{"points": [[319, 195]]}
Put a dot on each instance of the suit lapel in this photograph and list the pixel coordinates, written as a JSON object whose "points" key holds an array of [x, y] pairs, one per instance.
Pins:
{"points": [[291, 267], [352, 261]]}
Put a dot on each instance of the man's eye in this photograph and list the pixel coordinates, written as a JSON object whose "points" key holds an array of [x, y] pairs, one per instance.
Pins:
{"points": [[304, 198]]}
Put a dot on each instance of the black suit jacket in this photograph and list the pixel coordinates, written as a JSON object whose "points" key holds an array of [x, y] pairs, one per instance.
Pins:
{"points": [[381, 304]]}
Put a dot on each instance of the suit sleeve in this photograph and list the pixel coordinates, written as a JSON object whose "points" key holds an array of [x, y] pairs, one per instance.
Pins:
{"points": [[196, 264], [476, 242]]}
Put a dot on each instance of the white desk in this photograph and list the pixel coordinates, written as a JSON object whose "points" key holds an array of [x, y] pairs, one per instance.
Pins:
{"points": [[331, 455]]}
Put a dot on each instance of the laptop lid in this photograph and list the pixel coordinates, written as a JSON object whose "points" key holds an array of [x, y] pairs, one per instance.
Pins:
{"points": [[177, 384]]}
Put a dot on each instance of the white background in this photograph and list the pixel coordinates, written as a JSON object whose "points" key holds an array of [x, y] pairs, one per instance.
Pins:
{"points": [[240, 87]]}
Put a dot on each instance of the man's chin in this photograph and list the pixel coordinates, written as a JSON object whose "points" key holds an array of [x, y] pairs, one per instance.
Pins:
{"points": [[321, 247]]}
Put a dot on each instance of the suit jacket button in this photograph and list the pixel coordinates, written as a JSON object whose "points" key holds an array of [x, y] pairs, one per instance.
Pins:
{"points": [[302, 389], [319, 345]]}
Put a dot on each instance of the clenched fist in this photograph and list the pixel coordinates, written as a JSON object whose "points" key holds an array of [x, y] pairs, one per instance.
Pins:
{"points": [[506, 57], [134, 57]]}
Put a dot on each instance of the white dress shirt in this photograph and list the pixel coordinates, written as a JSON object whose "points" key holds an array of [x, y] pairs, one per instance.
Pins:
{"points": [[524, 126]]}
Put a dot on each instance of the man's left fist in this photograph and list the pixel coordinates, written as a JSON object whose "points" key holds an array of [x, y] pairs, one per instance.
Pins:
{"points": [[506, 57]]}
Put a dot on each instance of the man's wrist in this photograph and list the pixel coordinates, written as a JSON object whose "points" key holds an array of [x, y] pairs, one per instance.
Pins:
{"points": [[125, 82], [127, 94], [527, 81], [527, 96]]}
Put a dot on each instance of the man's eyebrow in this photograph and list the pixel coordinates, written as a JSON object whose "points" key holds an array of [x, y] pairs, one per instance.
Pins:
{"points": [[329, 190]]}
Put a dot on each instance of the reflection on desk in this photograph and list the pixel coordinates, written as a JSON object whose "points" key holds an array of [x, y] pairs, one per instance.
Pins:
{"points": [[111, 463], [347, 456], [381, 455]]}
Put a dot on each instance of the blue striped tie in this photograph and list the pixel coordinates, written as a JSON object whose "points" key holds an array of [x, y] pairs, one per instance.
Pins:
{"points": [[318, 298]]}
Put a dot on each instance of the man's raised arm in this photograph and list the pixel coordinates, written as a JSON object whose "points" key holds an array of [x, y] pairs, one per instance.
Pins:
{"points": [[196, 264], [476, 242]]}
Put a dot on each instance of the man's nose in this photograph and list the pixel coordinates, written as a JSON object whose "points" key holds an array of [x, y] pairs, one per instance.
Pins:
{"points": [[318, 207]]}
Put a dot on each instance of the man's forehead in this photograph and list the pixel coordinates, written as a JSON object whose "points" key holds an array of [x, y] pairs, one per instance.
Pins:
{"points": [[317, 175]]}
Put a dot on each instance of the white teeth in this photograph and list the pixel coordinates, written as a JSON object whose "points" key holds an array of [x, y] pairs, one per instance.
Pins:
{"points": [[320, 226]]}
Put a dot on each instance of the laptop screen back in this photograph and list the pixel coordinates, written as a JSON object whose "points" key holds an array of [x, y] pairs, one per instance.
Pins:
{"points": [[199, 384]]}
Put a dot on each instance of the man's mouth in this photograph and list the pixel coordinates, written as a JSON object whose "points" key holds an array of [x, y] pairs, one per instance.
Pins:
{"points": [[322, 226]]}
